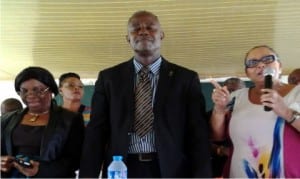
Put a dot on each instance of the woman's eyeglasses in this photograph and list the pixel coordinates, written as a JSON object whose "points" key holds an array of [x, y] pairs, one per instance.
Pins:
{"points": [[251, 63], [35, 91]]}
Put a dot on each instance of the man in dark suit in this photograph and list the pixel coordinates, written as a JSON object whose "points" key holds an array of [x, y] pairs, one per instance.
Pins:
{"points": [[175, 143]]}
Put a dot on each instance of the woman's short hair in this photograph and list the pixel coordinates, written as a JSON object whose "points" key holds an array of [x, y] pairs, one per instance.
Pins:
{"points": [[261, 46], [67, 75], [37, 73]]}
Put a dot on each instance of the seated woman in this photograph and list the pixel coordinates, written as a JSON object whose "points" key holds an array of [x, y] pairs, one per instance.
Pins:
{"points": [[49, 136], [71, 90]]}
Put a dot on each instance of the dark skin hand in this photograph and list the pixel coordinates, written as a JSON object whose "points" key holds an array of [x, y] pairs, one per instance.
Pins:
{"points": [[8, 162], [32, 171]]}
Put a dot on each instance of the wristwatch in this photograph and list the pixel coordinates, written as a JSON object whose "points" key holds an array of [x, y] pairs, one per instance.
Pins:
{"points": [[295, 116]]}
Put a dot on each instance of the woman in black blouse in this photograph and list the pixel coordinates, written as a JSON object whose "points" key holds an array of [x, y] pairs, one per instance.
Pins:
{"points": [[46, 136]]}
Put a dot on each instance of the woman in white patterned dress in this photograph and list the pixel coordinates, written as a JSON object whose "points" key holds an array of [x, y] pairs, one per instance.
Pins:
{"points": [[265, 143]]}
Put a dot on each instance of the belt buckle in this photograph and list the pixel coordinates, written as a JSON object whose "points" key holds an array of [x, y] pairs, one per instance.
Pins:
{"points": [[145, 157]]}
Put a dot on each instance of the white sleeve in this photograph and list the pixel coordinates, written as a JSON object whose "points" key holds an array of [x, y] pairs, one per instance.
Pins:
{"points": [[293, 99]]}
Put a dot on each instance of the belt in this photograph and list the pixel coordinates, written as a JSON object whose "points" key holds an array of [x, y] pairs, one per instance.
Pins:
{"points": [[143, 157]]}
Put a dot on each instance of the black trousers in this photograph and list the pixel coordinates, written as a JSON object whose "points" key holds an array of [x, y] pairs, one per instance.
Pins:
{"points": [[143, 167]]}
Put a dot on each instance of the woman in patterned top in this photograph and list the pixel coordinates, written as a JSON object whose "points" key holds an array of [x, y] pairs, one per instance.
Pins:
{"points": [[265, 143]]}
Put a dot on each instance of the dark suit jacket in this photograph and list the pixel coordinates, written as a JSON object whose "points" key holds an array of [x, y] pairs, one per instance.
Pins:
{"points": [[181, 133], [61, 143]]}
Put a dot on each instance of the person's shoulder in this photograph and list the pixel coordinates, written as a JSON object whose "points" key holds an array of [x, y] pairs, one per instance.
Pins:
{"points": [[289, 89], [11, 114], [178, 68], [87, 108], [64, 113], [293, 89], [10, 117], [240, 92], [66, 116]]}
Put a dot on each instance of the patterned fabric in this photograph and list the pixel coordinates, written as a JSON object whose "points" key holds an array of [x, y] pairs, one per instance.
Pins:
{"points": [[260, 141], [86, 115], [146, 143], [86, 112], [143, 104], [270, 168]]}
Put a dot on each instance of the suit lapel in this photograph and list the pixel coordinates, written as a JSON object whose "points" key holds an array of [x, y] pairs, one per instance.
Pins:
{"points": [[127, 87], [49, 130], [166, 75]]}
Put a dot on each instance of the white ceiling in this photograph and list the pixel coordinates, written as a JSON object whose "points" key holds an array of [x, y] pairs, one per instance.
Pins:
{"points": [[208, 36]]}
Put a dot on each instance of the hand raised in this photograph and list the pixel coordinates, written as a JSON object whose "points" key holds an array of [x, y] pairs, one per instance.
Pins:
{"points": [[220, 95]]}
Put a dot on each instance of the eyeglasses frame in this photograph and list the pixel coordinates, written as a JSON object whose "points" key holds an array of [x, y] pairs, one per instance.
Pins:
{"points": [[35, 93], [274, 57]]}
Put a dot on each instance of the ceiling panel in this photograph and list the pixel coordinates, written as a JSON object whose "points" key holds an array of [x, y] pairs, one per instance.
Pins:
{"points": [[210, 37]]}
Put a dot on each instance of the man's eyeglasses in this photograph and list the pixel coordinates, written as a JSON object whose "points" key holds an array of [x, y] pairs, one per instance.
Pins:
{"points": [[35, 91], [251, 63]]}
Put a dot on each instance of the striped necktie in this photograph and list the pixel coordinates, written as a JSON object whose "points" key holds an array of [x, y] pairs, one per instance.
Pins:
{"points": [[143, 104]]}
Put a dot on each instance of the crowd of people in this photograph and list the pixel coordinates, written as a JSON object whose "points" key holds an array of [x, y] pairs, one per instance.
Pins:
{"points": [[153, 113]]}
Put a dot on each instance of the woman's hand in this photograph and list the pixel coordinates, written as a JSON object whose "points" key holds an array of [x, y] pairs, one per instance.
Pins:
{"points": [[272, 99], [220, 97], [32, 171], [6, 163]]}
